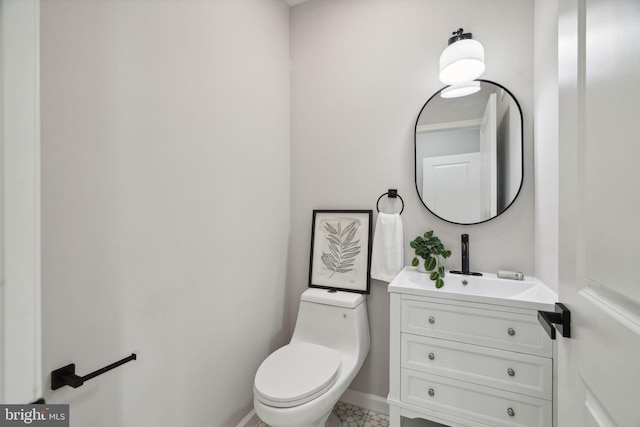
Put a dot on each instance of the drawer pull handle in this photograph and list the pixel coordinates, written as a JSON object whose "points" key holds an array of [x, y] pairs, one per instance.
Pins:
{"points": [[511, 412], [432, 356], [511, 331], [432, 320], [432, 393], [511, 372]]}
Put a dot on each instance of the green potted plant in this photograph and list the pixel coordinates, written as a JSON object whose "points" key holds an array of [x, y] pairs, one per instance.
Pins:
{"points": [[431, 250]]}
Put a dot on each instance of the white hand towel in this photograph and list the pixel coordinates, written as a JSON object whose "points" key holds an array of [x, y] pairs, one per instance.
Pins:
{"points": [[387, 257]]}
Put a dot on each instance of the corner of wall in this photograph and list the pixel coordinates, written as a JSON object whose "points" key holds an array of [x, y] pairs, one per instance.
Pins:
{"points": [[545, 105]]}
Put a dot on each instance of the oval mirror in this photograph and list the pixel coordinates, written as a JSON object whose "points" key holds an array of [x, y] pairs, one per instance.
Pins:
{"points": [[468, 154]]}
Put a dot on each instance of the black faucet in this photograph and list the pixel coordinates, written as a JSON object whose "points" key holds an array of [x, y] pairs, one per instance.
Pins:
{"points": [[465, 253], [465, 258]]}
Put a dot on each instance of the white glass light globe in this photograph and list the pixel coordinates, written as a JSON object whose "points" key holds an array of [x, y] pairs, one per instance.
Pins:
{"points": [[462, 61], [460, 90]]}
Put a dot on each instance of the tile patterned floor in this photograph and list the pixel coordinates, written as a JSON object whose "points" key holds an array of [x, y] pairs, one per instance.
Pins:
{"points": [[354, 416]]}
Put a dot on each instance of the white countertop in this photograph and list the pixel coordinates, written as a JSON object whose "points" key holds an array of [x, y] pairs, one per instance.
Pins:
{"points": [[529, 293]]}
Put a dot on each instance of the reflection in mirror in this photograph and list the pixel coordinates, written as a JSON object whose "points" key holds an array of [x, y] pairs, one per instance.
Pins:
{"points": [[468, 154]]}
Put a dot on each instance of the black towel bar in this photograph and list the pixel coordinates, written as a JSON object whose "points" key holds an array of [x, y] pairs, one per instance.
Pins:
{"points": [[67, 374]]}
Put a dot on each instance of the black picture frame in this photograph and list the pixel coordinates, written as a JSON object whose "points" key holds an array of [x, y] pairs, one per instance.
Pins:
{"points": [[341, 250]]}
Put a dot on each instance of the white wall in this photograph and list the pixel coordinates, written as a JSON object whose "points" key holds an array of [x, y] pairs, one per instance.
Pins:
{"points": [[20, 325], [546, 140], [361, 72], [165, 187]]}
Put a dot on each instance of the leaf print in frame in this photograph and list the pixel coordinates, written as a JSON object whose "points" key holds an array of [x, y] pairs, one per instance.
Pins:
{"points": [[341, 250]]}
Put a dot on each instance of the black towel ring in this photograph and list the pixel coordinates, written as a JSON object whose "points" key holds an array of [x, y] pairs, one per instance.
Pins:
{"points": [[392, 193]]}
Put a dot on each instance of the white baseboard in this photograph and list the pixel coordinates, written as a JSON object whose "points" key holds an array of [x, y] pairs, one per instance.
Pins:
{"points": [[366, 401], [251, 420], [352, 397]]}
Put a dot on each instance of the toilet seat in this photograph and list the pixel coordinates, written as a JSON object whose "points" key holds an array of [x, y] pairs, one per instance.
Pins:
{"points": [[295, 374]]}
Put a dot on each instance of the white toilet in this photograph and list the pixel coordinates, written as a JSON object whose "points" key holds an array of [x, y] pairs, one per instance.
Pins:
{"points": [[299, 384]]}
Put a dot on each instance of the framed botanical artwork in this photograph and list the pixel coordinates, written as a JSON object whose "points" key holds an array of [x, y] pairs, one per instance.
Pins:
{"points": [[341, 250]]}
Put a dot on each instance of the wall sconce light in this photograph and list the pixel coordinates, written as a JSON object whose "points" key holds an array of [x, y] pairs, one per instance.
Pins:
{"points": [[463, 60]]}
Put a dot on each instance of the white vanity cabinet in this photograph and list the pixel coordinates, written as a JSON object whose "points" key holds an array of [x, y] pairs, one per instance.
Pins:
{"points": [[466, 360]]}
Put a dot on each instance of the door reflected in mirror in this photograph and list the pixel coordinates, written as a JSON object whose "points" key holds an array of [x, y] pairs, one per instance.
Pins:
{"points": [[468, 154]]}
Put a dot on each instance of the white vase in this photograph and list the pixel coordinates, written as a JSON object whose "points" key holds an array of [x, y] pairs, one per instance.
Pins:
{"points": [[420, 266]]}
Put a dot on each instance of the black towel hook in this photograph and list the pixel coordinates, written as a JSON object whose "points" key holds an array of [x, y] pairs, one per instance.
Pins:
{"points": [[392, 193]]}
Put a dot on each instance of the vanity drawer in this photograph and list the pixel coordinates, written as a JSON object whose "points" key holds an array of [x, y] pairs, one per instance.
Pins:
{"points": [[506, 370], [485, 405], [490, 328]]}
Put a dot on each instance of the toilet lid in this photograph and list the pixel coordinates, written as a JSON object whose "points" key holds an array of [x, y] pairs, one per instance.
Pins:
{"points": [[296, 373]]}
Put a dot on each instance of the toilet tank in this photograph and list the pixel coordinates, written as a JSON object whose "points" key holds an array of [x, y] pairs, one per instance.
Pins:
{"points": [[336, 320]]}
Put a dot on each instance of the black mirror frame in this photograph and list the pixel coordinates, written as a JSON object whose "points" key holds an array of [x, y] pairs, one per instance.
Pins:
{"points": [[415, 155]]}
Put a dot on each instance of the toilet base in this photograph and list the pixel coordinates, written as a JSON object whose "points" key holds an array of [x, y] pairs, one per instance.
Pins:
{"points": [[333, 421], [329, 419]]}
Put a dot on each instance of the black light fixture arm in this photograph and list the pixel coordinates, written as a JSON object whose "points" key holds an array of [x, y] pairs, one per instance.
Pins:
{"points": [[458, 35], [67, 374]]}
